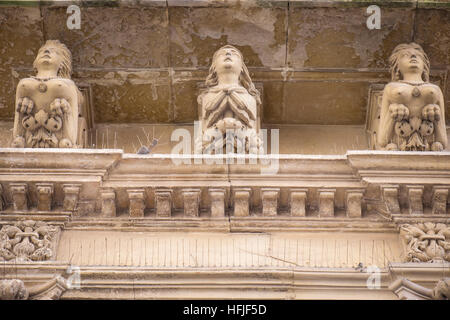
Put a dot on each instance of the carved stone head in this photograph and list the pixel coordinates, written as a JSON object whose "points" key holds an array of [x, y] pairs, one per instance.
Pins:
{"points": [[54, 54], [409, 57], [230, 58]]}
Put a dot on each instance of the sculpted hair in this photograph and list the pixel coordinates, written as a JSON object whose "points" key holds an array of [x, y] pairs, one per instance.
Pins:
{"points": [[395, 56], [244, 78], [65, 69]]}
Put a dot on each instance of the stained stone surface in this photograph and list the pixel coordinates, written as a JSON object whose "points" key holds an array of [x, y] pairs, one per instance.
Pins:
{"points": [[145, 60]]}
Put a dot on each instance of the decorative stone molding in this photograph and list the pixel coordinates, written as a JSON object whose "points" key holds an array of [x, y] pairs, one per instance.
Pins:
{"points": [[163, 198], [297, 202], [71, 194], [45, 196], [412, 116], [353, 202], [408, 290], [270, 201], [2, 201], [15, 289], [137, 204], [217, 196], [415, 199], [28, 241], [439, 199], [48, 105], [426, 241], [241, 201], [191, 202], [326, 202], [108, 197], [19, 193], [229, 107]]}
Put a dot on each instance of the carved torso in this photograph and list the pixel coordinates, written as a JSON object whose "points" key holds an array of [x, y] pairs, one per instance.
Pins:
{"points": [[403, 93], [228, 107], [46, 126], [56, 88]]}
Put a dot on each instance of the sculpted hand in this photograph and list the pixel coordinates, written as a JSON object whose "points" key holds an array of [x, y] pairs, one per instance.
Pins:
{"points": [[431, 112], [25, 105], [399, 112], [59, 106]]}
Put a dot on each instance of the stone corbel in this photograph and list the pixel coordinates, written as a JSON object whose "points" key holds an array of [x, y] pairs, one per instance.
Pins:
{"points": [[137, 204], [242, 201], [163, 198], [415, 199], [71, 194], [217, 196], [390, 197], [439, 199], [269, 198], [15, 289], [191, 200], [353, 202], [45, 196], [326, 202], [408, 290], [297, 201], [108, 197], [19, 193]]}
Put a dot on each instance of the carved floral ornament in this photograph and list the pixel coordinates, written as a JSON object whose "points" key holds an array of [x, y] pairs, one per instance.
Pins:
{"points": [[426, 242], [27, 241]]}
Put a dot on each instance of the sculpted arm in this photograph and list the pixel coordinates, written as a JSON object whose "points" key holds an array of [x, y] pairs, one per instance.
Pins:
{"points": [[386, 125], [21, 106], [441, 132]]}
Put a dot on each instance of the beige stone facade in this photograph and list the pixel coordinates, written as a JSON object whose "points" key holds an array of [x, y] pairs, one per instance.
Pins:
{"points": [[322, 215]]}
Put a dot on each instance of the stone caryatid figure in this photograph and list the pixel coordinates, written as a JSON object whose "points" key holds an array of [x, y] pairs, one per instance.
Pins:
{"points": [[412, 110], [229, 104], [47, 105]]}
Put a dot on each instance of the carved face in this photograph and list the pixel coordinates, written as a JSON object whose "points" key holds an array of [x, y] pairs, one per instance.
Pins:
{"points": [[49, 55], [410, 61], [228, 59]]}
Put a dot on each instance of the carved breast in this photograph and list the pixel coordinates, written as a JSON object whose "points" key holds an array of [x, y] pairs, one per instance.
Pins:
{"points": [[44, 92]]}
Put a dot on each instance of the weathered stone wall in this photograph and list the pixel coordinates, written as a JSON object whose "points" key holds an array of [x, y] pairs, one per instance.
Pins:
{"points": [[145, 60]]}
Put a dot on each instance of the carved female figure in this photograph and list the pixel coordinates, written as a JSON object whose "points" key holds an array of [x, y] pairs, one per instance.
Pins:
{"points": [[230, 101], [47, 105], [412, 109]]}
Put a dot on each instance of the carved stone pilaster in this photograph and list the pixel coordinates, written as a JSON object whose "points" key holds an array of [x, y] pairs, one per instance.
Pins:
{"points": [[326, 202], [19, 196], [191, 199], [415, 199], [163, 202], [269, 198], [108, 197], [217, 196], [298, 202], [241, 202], [45, 196], [439, 200], [390, 196], [137, 204], [71, 194], [353, 202]]}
